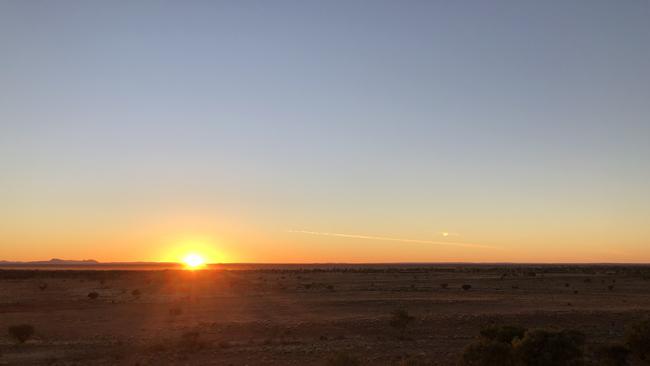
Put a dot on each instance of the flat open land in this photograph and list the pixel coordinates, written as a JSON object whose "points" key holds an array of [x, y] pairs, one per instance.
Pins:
{"points": [[303, 315]]}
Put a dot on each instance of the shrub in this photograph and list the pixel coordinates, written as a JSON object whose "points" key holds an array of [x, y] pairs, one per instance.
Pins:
{"points": [[175, 311], [466, 287], [21, 332], [343, 359], [503, 334], [444, 285], [400, 319], [487, 353], [42, 286], [612, 355], [550, 348], [190, 341], [638, 339], [136, 293], [93, 295]]}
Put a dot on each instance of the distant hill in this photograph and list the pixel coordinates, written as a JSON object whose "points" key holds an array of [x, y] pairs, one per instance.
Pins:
{"points": [[55, 261]]}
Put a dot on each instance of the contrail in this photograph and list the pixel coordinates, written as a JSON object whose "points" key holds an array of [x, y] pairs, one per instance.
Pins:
{"points": [[402, 240]]}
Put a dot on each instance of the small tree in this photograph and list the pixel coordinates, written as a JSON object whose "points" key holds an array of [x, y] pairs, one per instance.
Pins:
{"points": [[638, 339], [400, 320], [21, 332]]}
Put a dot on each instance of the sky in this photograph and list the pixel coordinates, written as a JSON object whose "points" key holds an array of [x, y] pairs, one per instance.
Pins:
{"points": [[325, 131]]}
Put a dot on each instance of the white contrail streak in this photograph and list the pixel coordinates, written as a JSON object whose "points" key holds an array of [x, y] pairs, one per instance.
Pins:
{"points": [[402, 240]]}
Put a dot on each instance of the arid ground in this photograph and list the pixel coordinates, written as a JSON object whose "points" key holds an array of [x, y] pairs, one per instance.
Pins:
{"points": [[296, 315]]}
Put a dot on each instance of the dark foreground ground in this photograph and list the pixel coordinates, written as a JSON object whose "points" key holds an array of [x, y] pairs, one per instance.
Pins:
{"points": [[302, 317]]}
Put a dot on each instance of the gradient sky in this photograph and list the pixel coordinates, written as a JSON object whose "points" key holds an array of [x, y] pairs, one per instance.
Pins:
{"points": [[325, 131]]}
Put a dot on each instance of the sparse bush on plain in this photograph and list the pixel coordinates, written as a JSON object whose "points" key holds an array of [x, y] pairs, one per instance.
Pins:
{"points": [[466, 287], [487, 353], [42, 286], [503, 333], [400, 320], [511, 345], [344, 359], [22, 332], [190, 341], [136, 293], [444, 285], [93, 295], [541, 347], [612, 355], [175, 311], [637, 339]]}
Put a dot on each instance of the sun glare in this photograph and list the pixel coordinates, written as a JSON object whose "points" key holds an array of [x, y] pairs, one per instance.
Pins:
{"points": [[193, 261]]}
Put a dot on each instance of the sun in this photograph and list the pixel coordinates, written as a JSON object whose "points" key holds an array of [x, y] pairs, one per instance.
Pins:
{"points": [[193, 261]]}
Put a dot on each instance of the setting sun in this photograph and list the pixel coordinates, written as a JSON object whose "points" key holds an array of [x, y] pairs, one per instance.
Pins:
{"points": [[193, 261]]}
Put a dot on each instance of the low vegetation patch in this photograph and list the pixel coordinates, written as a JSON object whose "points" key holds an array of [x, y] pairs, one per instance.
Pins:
{"points": [[22, 332]]}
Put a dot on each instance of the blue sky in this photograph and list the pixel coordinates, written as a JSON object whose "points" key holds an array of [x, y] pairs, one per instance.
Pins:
{"points": [[518, 124]]}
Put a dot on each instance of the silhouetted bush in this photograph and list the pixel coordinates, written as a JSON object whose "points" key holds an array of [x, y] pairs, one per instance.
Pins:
{"points": [[136, 293], [444, 285], [503, 333], [93, 295], [42, 286], [487, 353], [175, 311], [637, 338], [21, 332], [343, 359], [190, 341], [400, 320], [612, 355], [466, 287], [550, 348]]}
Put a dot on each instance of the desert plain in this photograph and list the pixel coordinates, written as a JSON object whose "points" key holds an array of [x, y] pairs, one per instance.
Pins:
{"points": [[304, 314]]}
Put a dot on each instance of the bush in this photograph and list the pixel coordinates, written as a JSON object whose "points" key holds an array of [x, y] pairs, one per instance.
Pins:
{"points": [[93, 295], [343, 359], [466, 287], [487, 353], [638, 339], [444, 285], [136, 293], [503, 334], [400, 319], [550, 348], [21, 332], [175, 311], [190, 341], [612, 355], [42, 286]]}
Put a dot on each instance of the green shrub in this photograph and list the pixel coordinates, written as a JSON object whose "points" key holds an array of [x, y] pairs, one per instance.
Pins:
{"points": [[487, 353], [343, 359], [21, 332], [504, 333], [638, 339], [550, 348], [612, 355]]}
